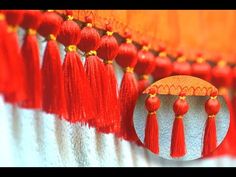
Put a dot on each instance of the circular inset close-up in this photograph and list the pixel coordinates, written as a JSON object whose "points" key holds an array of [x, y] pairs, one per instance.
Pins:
{"points": [[196, 122]]}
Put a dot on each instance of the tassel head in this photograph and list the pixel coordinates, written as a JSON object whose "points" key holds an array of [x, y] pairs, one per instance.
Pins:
{"points": [[50, 24], [201, 68], [163, 66], [127, 53], [32, 19]]}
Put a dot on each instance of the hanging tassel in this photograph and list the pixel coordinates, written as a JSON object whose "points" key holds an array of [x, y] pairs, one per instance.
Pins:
{"points": [[4, 71], [163, 66], [95, 70], [181, 66], [127, 58], [17, 79], [201, 68], [178, 147], [107, 51], [52, 76], [30, 53], [212, 107], [77, 91], [151, 139], [222, 79], [144, 66]]}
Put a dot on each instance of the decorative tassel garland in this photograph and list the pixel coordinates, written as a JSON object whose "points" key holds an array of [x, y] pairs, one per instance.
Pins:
{"points": [[4, 71], [30, 53], [107, 51], [127, 58], [77, 91], [201, 68], [53, 81], [17, 80], [144, 66], [212, 107], [151, 139], [96, 73], [163, 66], [181, 66], [178, 147]]}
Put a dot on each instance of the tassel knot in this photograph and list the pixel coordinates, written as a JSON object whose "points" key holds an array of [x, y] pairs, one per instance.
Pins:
{"points": [[91, 53], [51, 37], [129, 70], [71, 48], [109, 33], [31, 31], [106, 62]]}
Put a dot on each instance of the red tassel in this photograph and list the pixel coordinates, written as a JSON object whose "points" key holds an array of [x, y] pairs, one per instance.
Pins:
{"points": [[95, 70], [108, 50], [151, 139], [181, 66], [4, 71], [77, 91], [222, 79], [127, 58], [212, 107], [17, 79], [30, 53], [201, 68], [178, 147], [163, 66], [144, 66], [52, 76]]}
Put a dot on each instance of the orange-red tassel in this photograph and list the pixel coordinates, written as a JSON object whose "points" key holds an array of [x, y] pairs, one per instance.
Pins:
{"points": [[30, 53], [151, 139], [95, 70], [16, 66], [4, 71], [144, 66], [107, 51], [222, 79], [181, 66], [52, 76], [212, 107], [77, 91], [201, 68], [178, 147], [163, 65], [127, 58]]}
